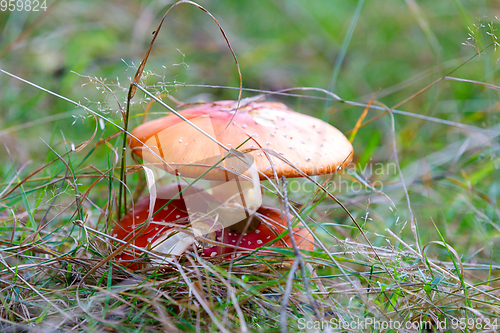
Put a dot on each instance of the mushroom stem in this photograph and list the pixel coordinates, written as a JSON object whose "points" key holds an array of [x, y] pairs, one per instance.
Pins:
{"points": [[237, 194]]}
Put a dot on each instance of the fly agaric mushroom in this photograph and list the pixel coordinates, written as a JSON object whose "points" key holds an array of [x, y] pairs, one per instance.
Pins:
{"points": [[159, 234]]}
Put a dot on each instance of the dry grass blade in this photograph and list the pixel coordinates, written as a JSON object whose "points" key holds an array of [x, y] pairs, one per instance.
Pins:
{"points": [[360, 120], [138, 74], [484, 84]]}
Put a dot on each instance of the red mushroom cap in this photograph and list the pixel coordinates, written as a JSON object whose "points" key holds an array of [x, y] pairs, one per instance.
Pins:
{"points": [[272, 224]]}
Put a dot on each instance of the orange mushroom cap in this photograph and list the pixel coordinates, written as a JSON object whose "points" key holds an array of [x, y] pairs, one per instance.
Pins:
{"points": [[311, 145]]}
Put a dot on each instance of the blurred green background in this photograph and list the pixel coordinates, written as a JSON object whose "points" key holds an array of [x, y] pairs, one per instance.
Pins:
{"points": [[356, 49]]}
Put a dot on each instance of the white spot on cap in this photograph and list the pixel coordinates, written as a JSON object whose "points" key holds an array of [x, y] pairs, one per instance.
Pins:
{"points": [[291, 147], [308, 159], [234, 241], [260, 154], [177, 216], [257, 231], [268, 143], [213, 254], [180, 140], [272, 134], [114, 235], [268, 237], [259, 241], [249, 243], [244, 126]]}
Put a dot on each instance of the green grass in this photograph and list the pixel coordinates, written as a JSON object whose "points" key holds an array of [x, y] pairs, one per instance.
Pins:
{"points": [[424, 185]]}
